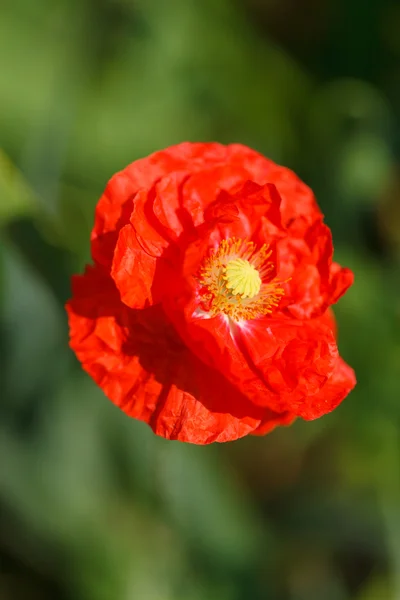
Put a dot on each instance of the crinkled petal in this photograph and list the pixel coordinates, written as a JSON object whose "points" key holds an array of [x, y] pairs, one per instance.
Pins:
{"points": [[338, 386], [294, 359], [112, 212], [233, 163], [142, 366], [276, 362], [273, 420], [313, 281], [299, 207], [212, 167], [133, 270], [340, 279]]}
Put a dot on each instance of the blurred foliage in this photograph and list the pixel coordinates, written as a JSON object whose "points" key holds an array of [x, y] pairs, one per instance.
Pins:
{"points": [[92, 505]]}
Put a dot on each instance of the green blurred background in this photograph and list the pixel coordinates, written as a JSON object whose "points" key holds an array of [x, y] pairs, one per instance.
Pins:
{"points": [[92, 505]]}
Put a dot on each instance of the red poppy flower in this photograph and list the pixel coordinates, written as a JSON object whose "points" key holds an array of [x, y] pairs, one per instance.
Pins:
{"points": [[206, 311]]}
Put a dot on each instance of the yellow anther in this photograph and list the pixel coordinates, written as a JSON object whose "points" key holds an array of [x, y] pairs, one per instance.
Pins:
{"points": [[242, 278], [236, 281]]}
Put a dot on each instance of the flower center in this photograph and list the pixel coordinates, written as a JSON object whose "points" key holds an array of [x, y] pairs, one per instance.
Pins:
{"points": [[237, 280], [242, 278]]}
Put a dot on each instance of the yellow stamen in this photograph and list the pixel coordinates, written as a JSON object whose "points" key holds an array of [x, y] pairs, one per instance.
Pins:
{"points": [[242, 278], [236, 281]]}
